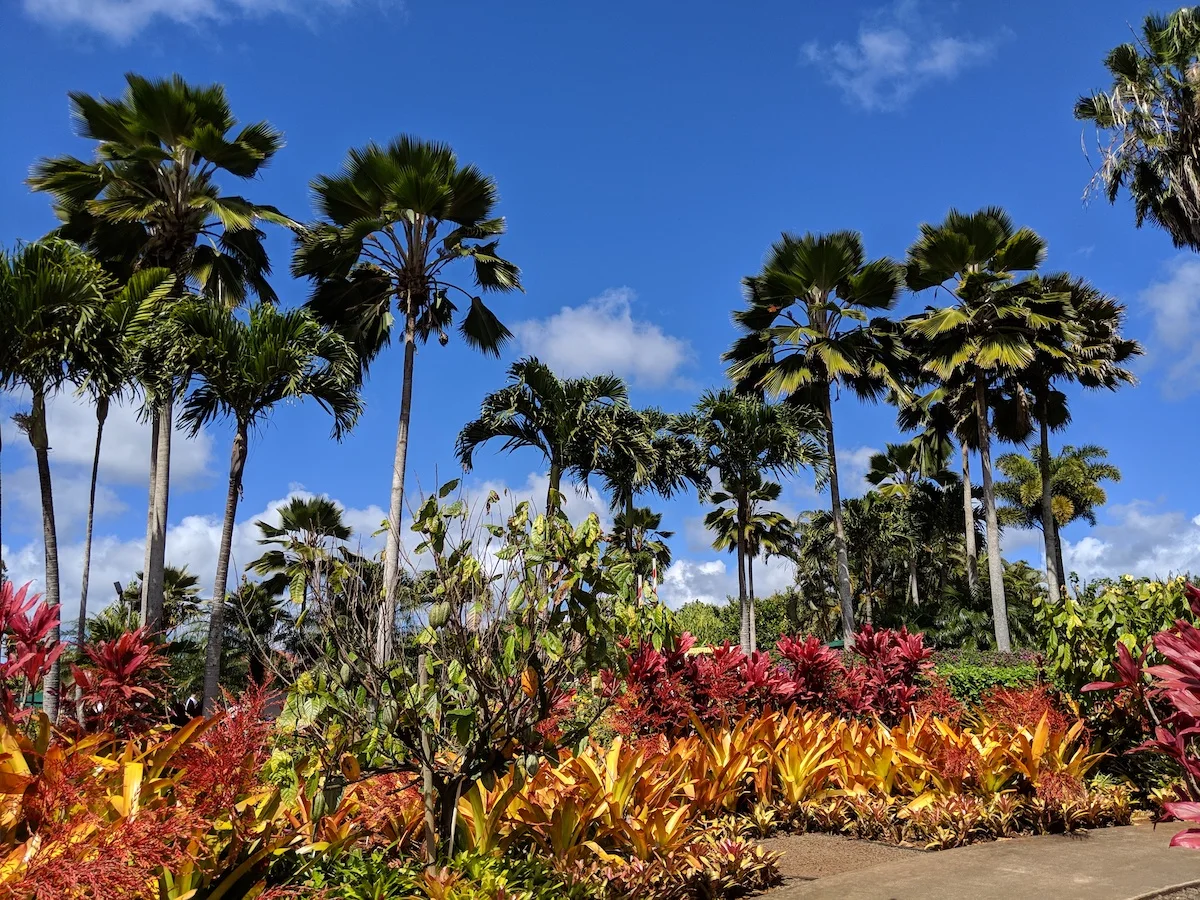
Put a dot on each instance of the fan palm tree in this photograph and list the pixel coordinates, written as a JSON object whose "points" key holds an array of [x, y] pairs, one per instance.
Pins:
{"points": [[743, 438], [1150, 118], [150, 199], [756, 530], [994, 329], [52, 296], [245, 368], [566, 419], [1074, 479], [394, 220], [302, 545], [807, 333]]}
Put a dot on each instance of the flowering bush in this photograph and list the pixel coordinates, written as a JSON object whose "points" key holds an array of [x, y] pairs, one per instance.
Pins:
{"points": [[665, 691]]}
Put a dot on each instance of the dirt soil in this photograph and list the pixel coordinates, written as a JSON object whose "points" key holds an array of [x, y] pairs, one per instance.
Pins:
{"points": [[809, 856]]}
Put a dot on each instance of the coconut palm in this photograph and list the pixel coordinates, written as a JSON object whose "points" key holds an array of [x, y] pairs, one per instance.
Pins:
{"points": [[993, 330], [52, 297], [757, 530], [745, 438], [1074, 479], [566, 419], [150, 199], [302, 545], [245, 367], [394, 221], [1148, 125], [807, 333]]}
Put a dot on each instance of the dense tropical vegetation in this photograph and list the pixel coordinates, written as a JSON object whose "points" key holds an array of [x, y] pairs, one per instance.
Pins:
{"points": [[501, 707]]}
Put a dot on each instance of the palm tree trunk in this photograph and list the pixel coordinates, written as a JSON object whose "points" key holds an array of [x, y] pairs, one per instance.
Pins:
{"points": [[969, 522], [995, 565], [750, 595], [743, 594], [41, 450], [1048, 524], [1058, 558], [212, 656], [152, 582], [839, 532], [554, 489], [149, 513], [913, 594], [101, 415], [391, 556]]}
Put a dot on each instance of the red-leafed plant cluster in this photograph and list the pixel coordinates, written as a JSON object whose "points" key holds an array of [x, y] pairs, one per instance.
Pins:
{"points": [[124, 686], [30, 652], [664, 690], [1014, 708], [1169, 695]]}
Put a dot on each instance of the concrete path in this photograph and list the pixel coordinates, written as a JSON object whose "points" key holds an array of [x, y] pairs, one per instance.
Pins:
{"points": [[1106, 864]]}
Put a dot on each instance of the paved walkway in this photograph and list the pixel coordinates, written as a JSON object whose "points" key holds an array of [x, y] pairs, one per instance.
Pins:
{"points": [[1106, 864]]}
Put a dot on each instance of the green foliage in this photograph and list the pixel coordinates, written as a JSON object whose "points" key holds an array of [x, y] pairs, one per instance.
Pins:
{"points": [[970, 677], [1081, 633]]}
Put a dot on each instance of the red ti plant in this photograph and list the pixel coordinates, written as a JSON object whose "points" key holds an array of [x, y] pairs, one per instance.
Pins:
{"points": [[124, 685], [1175, 686], [28, 652]]}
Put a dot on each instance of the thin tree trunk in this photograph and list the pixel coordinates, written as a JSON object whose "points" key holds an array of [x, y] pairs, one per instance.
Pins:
{"points": [[995, 565], [553, 492], [969, 522], [216, 634], [750, 595], [152, 581], [839, 532], [149, 513], [391, 557], [1058, 559], [1048, 529], [41, 450], [913, 594], [743, 594], [428, 795], [101, 415]]}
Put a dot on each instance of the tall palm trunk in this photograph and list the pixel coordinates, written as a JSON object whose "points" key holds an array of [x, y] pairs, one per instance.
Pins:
{"points": [[391, 556], [149, 514], [212, 657], [1058, 558], [913, 594], [101, 415], [750, 595], [554, 490], [969, 522], [839, 531], [1048, 523], [995, 565], [743, 592], [152, 582], [40, 442]]}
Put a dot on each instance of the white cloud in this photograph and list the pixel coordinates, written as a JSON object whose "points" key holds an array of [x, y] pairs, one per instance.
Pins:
{"points": [[602, 336], [1139, 538], [715, 580], [122, 19], [853, 465], [897, 52], [1175, 306]]}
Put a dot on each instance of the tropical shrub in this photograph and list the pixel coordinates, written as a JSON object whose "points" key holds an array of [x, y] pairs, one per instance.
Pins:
{"points": [[667, 692], [30, 652], [969, 674], [123, 684], [1167, 695]]}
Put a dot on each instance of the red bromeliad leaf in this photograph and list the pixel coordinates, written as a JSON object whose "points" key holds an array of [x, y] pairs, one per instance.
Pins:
{"points": [[1187, 811]]}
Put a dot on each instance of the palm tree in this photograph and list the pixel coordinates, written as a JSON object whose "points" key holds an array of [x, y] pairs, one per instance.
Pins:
{"points": [[181, 600], [1151, 120], [245, 368], [150, 199], [1073, 478], [807, 332], [302, 545], [642, 533], [743, 438], [994, 329], [51, 303], [754, 531], [566, 419], [393, 221]]}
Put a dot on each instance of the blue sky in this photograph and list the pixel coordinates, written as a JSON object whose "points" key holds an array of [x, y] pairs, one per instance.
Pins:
{"points": [[646, 159]]}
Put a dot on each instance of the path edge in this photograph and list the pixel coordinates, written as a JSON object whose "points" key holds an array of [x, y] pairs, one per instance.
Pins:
{"points": [[1166, 891]]}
